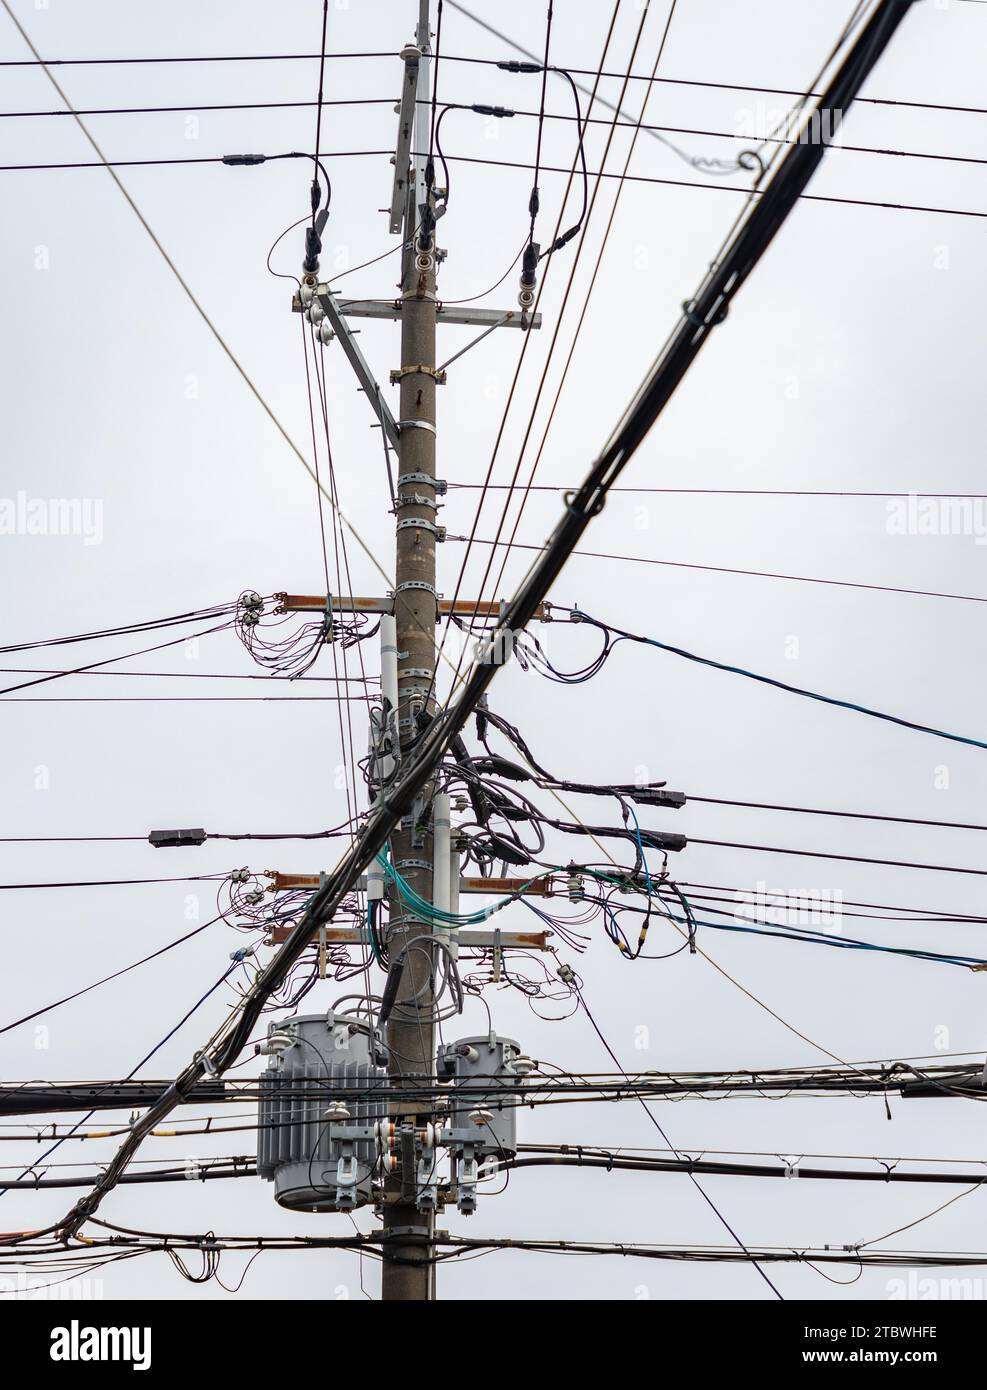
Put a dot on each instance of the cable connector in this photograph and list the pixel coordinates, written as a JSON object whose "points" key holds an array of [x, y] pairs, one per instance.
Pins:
{"points": [[236, 159], [499, 111], [653, 796], [172, 839], [529, 266], [313, 246], [512, 65], [564, 239]]}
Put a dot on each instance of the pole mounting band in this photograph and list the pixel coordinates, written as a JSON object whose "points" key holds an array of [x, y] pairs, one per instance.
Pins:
{"points": [[415, 424], [415, 584], [426, 479], [439, 532], [419, 369]]}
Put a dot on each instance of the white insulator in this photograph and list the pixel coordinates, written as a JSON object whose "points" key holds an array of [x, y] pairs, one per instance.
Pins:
{"points": [[305, 295], [315, 313], [326, 334]]}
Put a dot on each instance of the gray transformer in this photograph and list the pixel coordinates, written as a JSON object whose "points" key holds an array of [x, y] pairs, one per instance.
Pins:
{"points": [[327, 1054], [468, 1063]]}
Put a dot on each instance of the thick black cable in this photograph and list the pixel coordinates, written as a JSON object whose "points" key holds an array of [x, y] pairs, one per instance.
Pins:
{"points": [[704, 312]]}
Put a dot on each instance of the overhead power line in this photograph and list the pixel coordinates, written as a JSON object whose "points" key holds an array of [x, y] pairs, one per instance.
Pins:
{"points": [[483, 62], [724, 569], [613, 636], [191, 296], [651, 179], [726, 491], [648, 128], [847, 858]]}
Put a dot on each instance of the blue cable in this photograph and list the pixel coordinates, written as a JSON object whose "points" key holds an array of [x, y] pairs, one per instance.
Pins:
{"points": [[637, 836], [843, 943], [783, 685]]}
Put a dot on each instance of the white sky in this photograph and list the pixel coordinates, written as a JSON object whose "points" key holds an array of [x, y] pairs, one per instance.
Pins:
{"points": [[849, 361]]}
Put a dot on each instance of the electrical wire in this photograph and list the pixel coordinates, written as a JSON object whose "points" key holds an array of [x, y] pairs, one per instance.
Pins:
{"points": [[512, 544], [613, 636]]}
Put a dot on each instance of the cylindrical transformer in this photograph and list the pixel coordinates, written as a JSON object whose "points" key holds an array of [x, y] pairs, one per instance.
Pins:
{"points": [[468, 1064], [315, 1060]]}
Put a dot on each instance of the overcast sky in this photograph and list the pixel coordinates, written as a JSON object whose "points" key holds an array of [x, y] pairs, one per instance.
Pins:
{"points": [[850, 361]]}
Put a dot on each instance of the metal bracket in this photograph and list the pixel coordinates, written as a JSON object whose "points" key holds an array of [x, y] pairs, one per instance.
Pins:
{"points": [[346, 1180], [417, 425], [445, 313], [412, 56], [359, 364], [467, 1176]]}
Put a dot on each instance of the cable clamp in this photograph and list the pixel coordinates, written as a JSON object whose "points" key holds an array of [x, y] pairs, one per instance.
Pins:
{"points": [[421, 671], [591, 510], [402, 918], [420, 369], [416, 424], [717, 317], [426, 479]]}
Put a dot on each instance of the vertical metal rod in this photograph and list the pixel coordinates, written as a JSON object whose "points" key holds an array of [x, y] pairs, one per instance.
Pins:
{"points": [[441, 852], [454, 872], [389, 688]]}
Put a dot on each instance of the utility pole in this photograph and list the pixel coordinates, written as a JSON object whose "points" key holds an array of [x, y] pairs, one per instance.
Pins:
{"points": [[407, 1269], [424, 870]]}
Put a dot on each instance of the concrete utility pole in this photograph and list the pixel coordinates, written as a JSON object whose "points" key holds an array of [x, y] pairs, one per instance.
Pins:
{"points": [[407, 1271], [423, 848]]}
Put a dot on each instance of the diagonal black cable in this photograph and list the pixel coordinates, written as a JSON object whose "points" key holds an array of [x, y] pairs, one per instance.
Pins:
{"points": [[703, 313]]}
